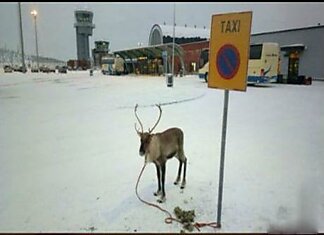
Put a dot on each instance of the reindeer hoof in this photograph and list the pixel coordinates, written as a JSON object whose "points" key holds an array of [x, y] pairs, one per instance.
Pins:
{"points": [[161, 200], [176, 182], [158, 193], [183, 185]]}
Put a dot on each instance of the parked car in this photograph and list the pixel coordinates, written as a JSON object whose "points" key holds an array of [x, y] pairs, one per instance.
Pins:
{"points": [[15, 68], [34, 70], [22, 69], [51, 70], [62, 69], [7, 69], [44, 69]]}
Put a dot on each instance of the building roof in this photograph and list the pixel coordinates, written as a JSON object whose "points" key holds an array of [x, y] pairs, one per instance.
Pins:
{"points": [[150, 51], [288, 30], [159, 32], [296, 46], [184, 31]]}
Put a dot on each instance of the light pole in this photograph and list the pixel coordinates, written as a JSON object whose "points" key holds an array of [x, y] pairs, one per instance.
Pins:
{"points": [[34, 14], [173, 39], [21, 39], [170, 76]]}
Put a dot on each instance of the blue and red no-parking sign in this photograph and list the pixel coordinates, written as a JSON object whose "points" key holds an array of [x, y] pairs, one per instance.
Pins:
{"points": [[228, 61], [229, 50], [228, 65]]}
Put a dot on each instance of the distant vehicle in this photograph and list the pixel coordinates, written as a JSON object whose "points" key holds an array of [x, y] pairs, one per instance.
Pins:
{"points": [[23, 69], [106, 64], [62, 69], [20, 68], [15, 68], [78, 64], [51, 70], [112, 65], [46, 69], [7, 69], [263, 64], [34, 70], [203, 72], [43, 69]]}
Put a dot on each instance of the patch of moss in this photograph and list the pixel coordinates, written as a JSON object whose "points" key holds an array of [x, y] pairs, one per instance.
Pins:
{"points": [[186, 217]]}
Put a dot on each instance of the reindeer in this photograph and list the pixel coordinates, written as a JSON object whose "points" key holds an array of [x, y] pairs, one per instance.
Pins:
{"points": [[160, 147]]}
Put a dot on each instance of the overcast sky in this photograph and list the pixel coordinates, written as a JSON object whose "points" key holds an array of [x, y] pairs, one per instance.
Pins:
{"points": [[124, 25]]}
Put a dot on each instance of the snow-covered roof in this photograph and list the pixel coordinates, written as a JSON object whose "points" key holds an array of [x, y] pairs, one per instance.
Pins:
{"points": [[159, 31], [293, 45], [183, 31], [296, 46]]}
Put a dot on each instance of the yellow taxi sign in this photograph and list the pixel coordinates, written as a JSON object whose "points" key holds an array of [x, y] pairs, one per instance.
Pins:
{"points": [[229, 50]]}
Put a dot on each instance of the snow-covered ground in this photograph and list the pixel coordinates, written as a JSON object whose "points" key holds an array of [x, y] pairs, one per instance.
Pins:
{"points": [[69, 154]]}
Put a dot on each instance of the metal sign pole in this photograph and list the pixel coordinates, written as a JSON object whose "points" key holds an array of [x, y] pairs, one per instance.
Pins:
{"points": [[222, 159], [228, 66]]}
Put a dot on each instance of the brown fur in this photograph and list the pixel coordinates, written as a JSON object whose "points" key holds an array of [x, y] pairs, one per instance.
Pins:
{"points": [[160, 147]]}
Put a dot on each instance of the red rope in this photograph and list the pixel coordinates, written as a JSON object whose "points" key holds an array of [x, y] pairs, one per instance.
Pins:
{"points": [[170, 218]]}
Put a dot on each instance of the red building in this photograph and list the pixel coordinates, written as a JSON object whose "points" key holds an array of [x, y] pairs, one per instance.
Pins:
{"points": [[191, 45], [192, 40], [192, 55]]}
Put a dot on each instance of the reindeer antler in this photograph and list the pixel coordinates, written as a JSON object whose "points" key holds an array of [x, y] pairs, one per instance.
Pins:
{"points": [[135, 111], [159, 106]]}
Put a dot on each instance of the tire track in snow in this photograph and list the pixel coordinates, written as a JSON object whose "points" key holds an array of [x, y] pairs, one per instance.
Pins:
{"points": [[164, 103]]}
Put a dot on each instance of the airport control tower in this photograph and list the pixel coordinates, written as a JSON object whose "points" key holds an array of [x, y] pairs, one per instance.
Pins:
{"points": [[84, 27]]}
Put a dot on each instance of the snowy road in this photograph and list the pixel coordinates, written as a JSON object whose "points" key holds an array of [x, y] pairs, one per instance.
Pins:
{"points": [[69, 154]]}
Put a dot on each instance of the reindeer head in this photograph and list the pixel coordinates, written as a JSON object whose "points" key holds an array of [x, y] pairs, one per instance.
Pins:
{"points": [[145, 136]]}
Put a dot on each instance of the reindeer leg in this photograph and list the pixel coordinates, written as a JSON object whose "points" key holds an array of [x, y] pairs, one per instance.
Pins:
{"points": [[183, 184], [158, 172], [176, 182], [162, 199]]}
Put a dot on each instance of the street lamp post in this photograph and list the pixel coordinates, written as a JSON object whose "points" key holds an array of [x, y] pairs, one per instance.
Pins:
{"points": [[170, 77], [173, 39], [34, 14], [21, 39]]}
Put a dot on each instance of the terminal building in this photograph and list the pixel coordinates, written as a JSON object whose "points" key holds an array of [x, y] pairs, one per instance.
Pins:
{"points": [[301, 50], [192, 41], [156, 58]]}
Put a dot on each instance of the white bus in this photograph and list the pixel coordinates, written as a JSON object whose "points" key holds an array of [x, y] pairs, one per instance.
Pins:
{"points": [[203, 72], [263, 64], [112, 65]]}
